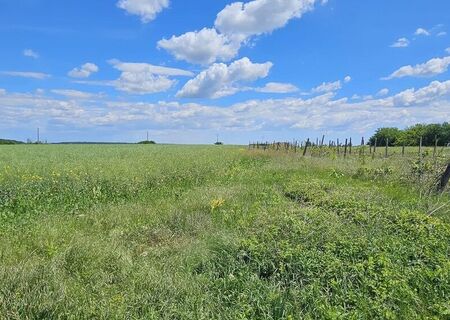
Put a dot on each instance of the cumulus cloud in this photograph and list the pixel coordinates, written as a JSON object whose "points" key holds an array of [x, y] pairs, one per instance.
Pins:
{"points": [[144, 78], [447, 50], [259, 16], [148, 68], [141, 78], [2, 92], [383, 92], [30, 54], [328, 87], [400, 43], [441, 34], [30, 75], [142, 83], [146, 9], [423, 95], [74, 94], [221, 80], [277, 87], [85, 71], [430, 68], [201, 47], [422, 32], [323, 113], [234, 26]]}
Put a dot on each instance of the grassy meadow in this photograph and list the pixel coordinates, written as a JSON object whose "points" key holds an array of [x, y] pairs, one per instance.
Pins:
{"points": [[221, 232]]}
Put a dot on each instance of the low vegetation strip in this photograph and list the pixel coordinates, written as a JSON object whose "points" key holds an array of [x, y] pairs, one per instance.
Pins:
{"points": [[6, 141], [172, 232]]}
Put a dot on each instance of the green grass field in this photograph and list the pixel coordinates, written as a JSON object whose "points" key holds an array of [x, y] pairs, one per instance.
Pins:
{"points": [[200, 232]]}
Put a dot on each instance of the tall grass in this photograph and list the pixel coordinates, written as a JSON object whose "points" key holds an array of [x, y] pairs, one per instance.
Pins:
{"points": [[172, 232]]}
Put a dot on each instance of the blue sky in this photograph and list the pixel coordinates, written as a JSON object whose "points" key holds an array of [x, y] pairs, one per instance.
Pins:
{"points": [[188, 70]]}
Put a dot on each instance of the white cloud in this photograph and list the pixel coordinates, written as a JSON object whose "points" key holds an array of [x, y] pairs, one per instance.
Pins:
{"points": [[143, 78], [142, 83], [328, 87], [85, 71], [422, 32], [441, 34], [201, 47], [74, 94], [430, 68], [277, 87], [400, 43], [148, 68], [322, 113], [260, 16], [135, 83], [2, 92], [424, 95], [146, 9], [30, 75], [447, 50], [30, 53], [234, 26], [220, 80], [383, 92]]}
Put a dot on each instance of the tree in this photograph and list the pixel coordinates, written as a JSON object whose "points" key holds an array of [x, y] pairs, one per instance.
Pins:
{"points": [[382, 134], [411, 135]]}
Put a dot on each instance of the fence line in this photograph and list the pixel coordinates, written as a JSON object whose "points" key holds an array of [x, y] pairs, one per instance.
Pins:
{"points": [[317, 147]]}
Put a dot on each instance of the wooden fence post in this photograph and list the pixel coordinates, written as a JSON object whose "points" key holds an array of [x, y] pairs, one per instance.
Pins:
{"points": [[374, 148], [306, 147], [350, 146], [345, 150], [420, 158], [435, 146], [444, 179], [363, 145], [420, 147], [387, 148]]}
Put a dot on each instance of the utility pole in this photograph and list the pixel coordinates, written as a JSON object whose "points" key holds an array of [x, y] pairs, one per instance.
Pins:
{"points": [[38, 138]]}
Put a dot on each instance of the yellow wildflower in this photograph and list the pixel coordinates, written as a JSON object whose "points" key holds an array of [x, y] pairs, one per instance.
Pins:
{"points": [[217, 203]]}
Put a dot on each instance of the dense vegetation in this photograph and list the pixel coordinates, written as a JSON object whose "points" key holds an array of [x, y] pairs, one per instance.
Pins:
{"points": [[180, 232], [411, 135], [6, 141]]}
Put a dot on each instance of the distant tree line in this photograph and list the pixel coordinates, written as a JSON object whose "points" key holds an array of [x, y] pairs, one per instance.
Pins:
{"points": [[6, 141], [411, 135]]}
